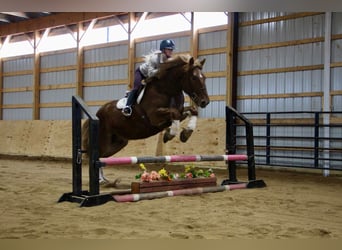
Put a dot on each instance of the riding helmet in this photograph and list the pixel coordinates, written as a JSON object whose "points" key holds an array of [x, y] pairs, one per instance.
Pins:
{"points": [[167, 44]]}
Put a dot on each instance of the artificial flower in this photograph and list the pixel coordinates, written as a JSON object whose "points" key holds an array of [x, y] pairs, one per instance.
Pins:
{"points": [[189, 172], [142, 166], [146, 177], [154, 175]]}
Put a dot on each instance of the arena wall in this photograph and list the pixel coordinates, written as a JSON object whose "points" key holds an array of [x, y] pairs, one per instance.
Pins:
{"points": [[52, 139]]}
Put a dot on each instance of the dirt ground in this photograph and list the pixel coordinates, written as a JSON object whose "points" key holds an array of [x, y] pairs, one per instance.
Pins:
{"points": [[294, 205]]}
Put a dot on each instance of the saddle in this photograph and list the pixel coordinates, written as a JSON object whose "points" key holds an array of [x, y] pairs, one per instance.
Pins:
{"points": [[122, 102]]}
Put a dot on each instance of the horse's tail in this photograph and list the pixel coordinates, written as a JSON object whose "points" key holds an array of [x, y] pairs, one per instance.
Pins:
{"points": [[85, 136]]}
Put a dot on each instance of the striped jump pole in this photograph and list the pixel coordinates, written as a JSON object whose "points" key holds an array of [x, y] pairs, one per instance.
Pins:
{"points": [[170, 158], [186, 191]]}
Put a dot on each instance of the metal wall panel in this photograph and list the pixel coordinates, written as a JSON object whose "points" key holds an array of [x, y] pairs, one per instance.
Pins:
{"points": [[216, 39], [290, 56], [280, 31], [336, 50], [103, 54], [252, 16], [58, 77], [18, 81], [106, 73], [336, 56], [94, 109], [63, 113], [336, 27], [112, 92], [336, 83], [58, 59], [56, 95], [280, 57], [18, 64], [17, 98], [216, 86], [215, 62], [214, 109], [52, 61], [17, 114], [261, 85]]}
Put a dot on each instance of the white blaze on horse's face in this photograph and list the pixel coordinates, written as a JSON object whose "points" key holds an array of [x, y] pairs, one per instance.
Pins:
{"points": [[199, 94]]}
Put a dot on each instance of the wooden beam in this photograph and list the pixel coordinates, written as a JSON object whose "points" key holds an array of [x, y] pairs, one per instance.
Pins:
{"points": [[51, 21], [18, 73], [17, 106], [280, 70], [286, 95], [212, 51], [107, 63], [216, 74], [105, 83], [281, 44], [60, 68], [19, 89]]}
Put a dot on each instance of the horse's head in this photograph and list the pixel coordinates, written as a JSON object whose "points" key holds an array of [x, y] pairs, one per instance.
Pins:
{"points": [[195, 86]]}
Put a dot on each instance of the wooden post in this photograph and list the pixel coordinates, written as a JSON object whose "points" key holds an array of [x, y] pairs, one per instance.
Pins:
{"points": [[1, 88], [36, 79], [131, 50], [232, 39], [326, 91], [194, 42], [80, 62]]}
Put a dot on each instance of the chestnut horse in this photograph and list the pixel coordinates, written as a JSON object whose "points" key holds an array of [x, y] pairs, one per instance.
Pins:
{"points": [[154, 113]]}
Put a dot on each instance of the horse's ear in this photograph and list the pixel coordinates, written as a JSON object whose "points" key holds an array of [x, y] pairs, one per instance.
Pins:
{"points": [[191, 61], [202, 61]]}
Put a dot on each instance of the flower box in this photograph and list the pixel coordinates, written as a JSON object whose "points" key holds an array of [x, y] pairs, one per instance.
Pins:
{"points": [[164, 185]]}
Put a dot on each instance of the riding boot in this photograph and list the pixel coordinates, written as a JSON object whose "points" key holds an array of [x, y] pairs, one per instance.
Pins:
{"points": [[127, 110]]}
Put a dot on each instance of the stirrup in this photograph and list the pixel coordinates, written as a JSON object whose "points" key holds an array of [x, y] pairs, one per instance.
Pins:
{"points": [[127, 111]]}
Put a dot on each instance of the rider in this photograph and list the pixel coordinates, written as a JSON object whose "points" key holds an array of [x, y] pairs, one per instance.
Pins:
{"points": [[148, 69]]}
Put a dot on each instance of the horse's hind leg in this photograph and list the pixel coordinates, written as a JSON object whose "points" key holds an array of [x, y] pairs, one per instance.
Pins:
{"points": [[109, 145]]}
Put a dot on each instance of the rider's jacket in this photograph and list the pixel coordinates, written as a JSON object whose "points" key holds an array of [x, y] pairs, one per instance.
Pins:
{"points": [[152, 62]]}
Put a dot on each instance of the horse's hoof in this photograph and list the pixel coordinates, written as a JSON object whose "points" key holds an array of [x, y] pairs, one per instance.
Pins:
{"points": [[185, 134], [103, 182], [167, 136], [113, 184]]}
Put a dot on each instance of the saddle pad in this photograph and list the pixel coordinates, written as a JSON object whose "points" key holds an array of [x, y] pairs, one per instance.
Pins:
{"points": [[121, 103], [141, 95]]}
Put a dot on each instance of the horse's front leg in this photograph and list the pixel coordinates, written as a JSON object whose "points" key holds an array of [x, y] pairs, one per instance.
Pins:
{"points": [[192, 113], [167, 115]]}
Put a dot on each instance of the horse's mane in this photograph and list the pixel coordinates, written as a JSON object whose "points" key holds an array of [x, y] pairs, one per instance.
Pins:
{"points": [[175, 63], [174, 66]]}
